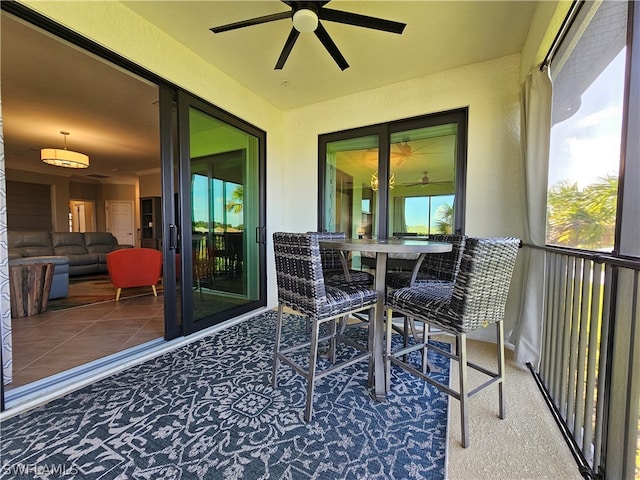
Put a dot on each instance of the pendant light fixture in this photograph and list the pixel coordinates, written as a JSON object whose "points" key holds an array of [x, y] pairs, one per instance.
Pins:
{"points": [[374, 181], [64, 158]]}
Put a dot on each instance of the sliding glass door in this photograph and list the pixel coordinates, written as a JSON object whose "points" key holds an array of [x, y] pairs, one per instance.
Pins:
{"points": [[219, 246], [395, 179]]}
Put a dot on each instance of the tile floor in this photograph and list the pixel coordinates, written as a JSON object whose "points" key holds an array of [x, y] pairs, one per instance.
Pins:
{"points": [[55, 341]]}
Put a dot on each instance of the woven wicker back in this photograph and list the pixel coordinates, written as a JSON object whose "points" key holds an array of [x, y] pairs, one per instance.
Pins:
{"points": [[445, 266], [481, 287], [330, 257], [299, 272]]}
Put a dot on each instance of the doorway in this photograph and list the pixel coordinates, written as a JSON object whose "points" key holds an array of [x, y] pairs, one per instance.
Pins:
{"points": [[82, 216], [120, 221]]}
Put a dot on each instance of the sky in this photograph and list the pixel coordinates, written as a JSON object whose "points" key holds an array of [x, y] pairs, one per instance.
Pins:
{"points": [[201, 202], [586, 146], [417, 208]]}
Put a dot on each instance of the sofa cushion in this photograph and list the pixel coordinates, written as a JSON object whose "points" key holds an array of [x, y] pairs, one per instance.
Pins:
{"points": [[68, 243], [29, 244], [82, 259], [99, 242]]}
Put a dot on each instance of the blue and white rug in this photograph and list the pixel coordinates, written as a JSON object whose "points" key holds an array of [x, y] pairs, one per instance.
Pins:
{"points": [[207, 411]]}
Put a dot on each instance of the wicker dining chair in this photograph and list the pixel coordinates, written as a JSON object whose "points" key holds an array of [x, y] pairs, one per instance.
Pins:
{"points": [[435, 268], [439, 268], [301, 287], [476, 299], [334, 264]]}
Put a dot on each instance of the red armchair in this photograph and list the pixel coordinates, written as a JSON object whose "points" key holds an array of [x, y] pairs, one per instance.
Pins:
{"points": [[134, 267]]}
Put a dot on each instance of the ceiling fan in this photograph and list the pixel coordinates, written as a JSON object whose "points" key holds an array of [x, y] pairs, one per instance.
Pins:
{"points": [[306, 17], [404, 151], [425, 181]]}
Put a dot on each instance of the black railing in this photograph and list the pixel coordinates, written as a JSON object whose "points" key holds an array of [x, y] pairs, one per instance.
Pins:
{"points": [[574, 374]]}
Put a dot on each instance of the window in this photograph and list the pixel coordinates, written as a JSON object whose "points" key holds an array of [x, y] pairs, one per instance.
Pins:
{"points": [[588, 73], [400, 177], [427, 215]]}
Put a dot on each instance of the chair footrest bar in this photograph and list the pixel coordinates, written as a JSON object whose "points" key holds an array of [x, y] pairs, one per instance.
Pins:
{"points": [[300, 346], [353, 344], [409, 349], [346, 363], [426, 378], [419, 346], [482, 369], [319, 374], [293, 365], [483, 386], [494, 378]]}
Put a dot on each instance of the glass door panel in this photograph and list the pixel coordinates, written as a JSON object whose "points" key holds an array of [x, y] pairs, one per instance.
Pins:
{"points": [[351, 175], [223, 167], [423, 169], [221, 232], [351, 186]]}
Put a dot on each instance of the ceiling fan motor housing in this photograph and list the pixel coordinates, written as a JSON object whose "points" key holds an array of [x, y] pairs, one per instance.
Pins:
{"points": [[305, 20]]}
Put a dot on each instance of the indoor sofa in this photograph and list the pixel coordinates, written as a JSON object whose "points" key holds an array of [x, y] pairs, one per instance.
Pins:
{"points": [[87, 252]]}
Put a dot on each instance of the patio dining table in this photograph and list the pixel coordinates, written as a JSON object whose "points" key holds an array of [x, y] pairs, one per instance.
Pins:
{"points": [[382, 248]]}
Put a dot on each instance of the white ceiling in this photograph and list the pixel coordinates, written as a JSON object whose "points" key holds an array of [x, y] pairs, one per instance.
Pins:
{"points": [[440, 35], [48, 86]]}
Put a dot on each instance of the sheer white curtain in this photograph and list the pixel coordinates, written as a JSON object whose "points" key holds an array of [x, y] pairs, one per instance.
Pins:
{"points": [[399, 220], [535, 130]]}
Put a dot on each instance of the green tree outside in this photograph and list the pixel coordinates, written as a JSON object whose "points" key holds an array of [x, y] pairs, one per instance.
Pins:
{"points": [[237, 200], [444, 220], [583, 219]]}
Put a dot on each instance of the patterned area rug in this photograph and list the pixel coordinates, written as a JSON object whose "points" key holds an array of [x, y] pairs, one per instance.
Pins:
{"points": [[207, 411]]}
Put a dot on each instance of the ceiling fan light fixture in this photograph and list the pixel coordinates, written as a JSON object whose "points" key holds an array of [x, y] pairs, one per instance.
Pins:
{"points": [[375, 183], [305, 20], [63, 157]]}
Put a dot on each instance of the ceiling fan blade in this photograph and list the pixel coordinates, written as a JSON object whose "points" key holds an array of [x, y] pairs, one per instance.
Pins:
{"points": [[358, 20], [423, 184], [252, 21], [331, 47], [286, 50], [294, 4]]}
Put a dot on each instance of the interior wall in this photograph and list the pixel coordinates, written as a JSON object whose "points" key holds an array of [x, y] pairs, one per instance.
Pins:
{"points": [[490, 90], [28, 206], [546, 23], [59, 194], [150, 185], [83, 191]]}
